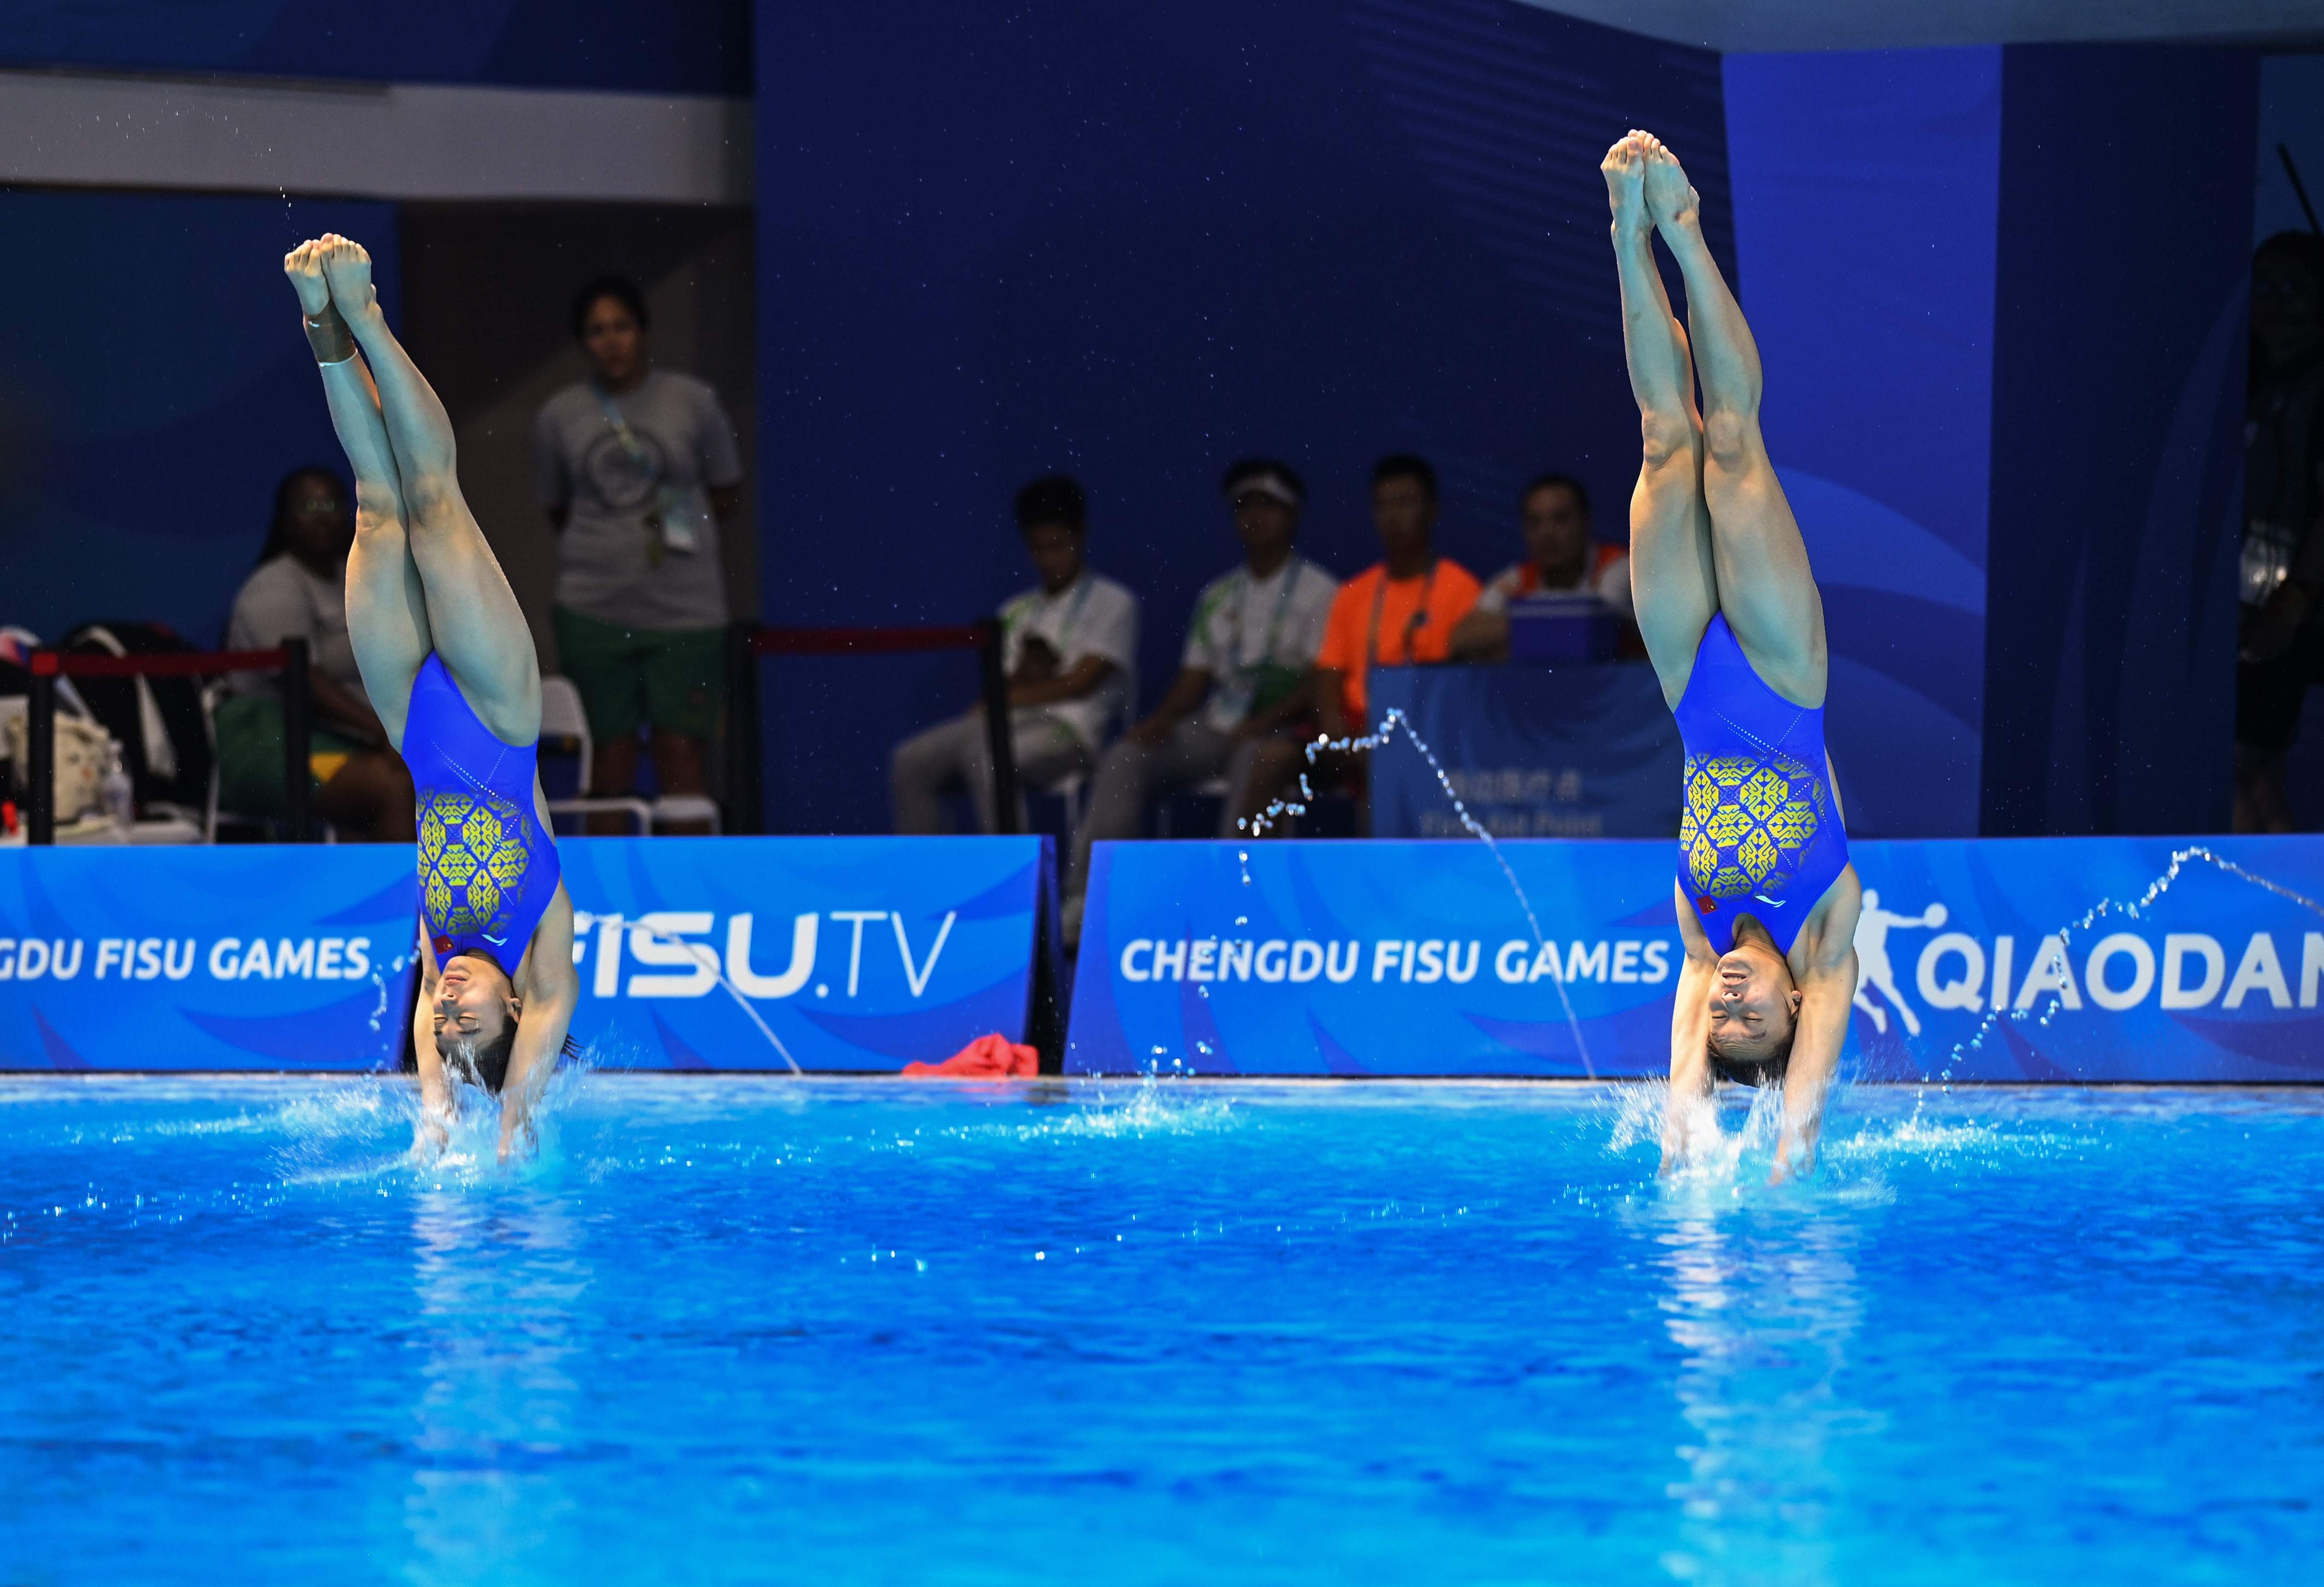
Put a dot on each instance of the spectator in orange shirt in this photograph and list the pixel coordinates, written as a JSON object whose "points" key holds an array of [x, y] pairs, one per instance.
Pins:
{"points": [[1398, 612]]}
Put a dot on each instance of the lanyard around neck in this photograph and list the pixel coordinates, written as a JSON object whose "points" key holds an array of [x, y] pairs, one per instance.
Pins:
{"points": [[1290, 571], [645, 460], [1419, 615]]}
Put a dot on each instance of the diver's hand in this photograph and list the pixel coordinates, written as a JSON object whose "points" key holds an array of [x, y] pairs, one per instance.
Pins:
{"points": [[1679, 1145], [1787, 1170], [518, 1138], [1690, 1125], [431, 1132]]}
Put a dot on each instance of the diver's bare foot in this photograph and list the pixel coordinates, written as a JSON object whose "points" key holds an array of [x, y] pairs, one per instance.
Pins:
{"points": [[348, 268], [304, 266], [1625, 170], [1670, 197]]}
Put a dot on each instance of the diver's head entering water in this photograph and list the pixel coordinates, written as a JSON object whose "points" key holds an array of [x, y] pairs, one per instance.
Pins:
{"points": [[475, 1016], [1754, 1010]]}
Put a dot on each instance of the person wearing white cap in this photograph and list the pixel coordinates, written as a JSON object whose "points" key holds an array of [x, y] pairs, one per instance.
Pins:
{"points": [[1246, 676]]}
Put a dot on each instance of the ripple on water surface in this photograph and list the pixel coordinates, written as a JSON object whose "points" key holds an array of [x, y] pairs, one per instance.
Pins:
{"points": [[871, 1331]]}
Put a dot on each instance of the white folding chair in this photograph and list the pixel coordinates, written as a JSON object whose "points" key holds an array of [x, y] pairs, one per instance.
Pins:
{"points": [[670, 809], [562, 718]]}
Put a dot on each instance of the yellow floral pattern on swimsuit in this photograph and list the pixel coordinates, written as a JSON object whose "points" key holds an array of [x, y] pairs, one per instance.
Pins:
{"points": [[1747, 821], [471, 855]]}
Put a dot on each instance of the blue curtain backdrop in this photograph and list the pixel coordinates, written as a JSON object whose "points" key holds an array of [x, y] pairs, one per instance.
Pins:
{"points": [[1134, 243], [1866, 196], [670, 47], [2120, 334], [2000, 297], [153, 388]]}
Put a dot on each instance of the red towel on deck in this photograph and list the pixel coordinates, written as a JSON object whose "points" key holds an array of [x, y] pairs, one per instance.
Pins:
{"points": [[988, 1057]]}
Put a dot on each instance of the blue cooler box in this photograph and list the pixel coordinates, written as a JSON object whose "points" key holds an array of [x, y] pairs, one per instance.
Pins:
{"points": [[1563, 627]]}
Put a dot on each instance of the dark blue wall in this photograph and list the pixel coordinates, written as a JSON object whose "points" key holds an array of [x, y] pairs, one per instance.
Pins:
{"points": [[1133, 243], [669, 46], [1866, 196], [2117, 420], [153, 388]]}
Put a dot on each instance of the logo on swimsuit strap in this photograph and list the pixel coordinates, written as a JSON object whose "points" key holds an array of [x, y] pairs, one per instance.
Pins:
{"points": [[1747, 822], [474, 853], [443, 944], [1707, 905]]}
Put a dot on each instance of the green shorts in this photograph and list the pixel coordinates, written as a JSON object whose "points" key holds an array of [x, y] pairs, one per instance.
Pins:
{"points": [[673, 678], [249, 729]]}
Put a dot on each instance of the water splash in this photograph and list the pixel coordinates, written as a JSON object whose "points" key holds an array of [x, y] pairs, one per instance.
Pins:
{"points": [[1160, 1104], [2130, 909], [469, 1154], [1718, 1158], [1258, 826]]}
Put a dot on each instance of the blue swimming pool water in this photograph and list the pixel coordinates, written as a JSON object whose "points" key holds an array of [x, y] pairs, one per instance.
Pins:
{"points": [[861, 1332]]}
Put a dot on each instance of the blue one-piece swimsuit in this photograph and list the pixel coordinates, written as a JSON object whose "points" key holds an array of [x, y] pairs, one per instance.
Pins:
{"points": [[487, 870], [1761, 834]]}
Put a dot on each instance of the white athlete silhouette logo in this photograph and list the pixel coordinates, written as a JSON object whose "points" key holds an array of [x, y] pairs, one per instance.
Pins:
{"points": [[1872, 960]]}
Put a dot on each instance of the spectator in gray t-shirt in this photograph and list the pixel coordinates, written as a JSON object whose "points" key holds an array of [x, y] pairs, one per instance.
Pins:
{"points": [[638, 467]]}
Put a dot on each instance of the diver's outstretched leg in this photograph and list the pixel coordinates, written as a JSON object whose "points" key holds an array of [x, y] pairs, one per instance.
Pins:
{"points": [[473, 616], [387, 611], [1673, 583], [1765, 587]]}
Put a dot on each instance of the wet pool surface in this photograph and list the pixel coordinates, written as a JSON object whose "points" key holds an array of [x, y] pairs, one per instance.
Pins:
{"points": [[867, 1332]]}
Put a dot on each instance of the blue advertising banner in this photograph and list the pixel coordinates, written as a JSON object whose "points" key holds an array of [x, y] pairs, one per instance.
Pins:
{"points": [[1375, 958], [859, 953], [1579, 751], [1993, 959], [1983, 961], [206, 959]]}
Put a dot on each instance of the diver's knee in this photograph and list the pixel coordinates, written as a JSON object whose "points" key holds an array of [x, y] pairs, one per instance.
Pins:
{"points": [[377, 513], [432, 500], [1729, 437], [1665, 438]]}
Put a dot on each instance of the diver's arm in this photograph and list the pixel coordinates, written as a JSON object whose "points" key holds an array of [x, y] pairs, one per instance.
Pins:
{"points": [[1685, 1110], [434, 1128], [551, 991], [1087, 673], [1823, 968]]}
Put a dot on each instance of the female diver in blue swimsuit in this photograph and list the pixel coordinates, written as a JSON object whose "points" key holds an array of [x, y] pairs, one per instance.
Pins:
{"points": [[448, 664], [1728, 605]]}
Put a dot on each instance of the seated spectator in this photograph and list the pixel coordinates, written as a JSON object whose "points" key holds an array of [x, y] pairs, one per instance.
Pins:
{"points": [[1069, 647], [300, 591], [1246, 677], [1398, 612], [637, 468], [1559, 558]]}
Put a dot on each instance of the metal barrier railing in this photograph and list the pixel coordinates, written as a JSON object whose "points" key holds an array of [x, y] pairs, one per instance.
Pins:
{"points": [[46, 666], [747, 643]]}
